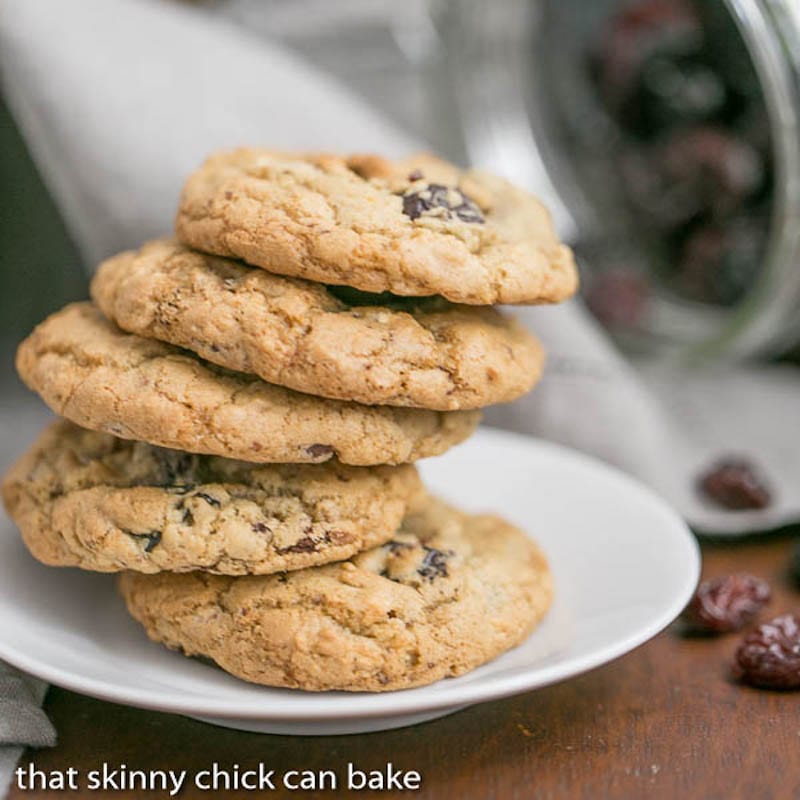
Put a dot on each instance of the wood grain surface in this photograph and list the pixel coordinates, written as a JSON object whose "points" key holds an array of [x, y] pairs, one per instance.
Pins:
{"points": [[665, 721]]}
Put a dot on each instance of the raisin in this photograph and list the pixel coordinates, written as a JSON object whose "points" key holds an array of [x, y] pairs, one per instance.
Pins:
{"points": [[434, 196], [769, 656], [260, 527], [434, 564], [304, 545], [713, 166], [320, 451], [415, 175], [212, 501], [715, 262], [152, 539], [618, 299], [725, 604], [734, 484]]}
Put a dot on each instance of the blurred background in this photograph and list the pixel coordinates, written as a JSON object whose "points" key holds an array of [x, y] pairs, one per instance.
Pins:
{"points": [[662, 133]]}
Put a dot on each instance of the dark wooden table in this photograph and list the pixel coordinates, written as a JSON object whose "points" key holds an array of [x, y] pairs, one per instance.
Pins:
{"points": [[664, 721]]}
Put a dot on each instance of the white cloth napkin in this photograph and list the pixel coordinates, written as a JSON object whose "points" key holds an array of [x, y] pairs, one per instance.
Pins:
{"points": [[120, 99]]}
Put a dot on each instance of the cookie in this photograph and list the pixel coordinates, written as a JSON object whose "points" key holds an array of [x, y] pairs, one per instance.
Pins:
{"points": [[417, 227], [91, 500], [89, 371], [424, 353], [447, 593]]}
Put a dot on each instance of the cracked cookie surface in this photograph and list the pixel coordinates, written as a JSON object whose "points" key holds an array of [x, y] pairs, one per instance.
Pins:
{"points": [[90, 500], [447, 593], [89, 371], [419, 226], [425, 353]]}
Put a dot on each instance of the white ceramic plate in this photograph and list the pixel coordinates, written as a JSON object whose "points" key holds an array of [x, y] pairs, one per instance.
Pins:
{"points": [[624, 565]]}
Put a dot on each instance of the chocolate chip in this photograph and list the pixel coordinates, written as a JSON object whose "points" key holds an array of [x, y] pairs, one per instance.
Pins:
{"points": [[734, 484], [320, 451], [260, 527], [152, 539], [435, 196], [434, 565], [415, 175]]}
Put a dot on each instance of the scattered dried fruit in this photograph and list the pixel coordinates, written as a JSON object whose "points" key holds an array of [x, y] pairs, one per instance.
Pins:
{"points": [[769, 656], [689, 138], [734, 484], [725, 604]]}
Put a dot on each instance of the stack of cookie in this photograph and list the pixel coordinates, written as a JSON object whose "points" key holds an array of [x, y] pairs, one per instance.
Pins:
{"points": [[241, 406]]}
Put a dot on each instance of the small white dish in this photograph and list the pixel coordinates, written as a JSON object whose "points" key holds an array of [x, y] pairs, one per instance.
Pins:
{"points": [[624, 563]]}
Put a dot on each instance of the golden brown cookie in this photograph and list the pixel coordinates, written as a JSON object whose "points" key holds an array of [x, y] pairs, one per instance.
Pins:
{"points": [[425, 353], [91, 500], [417, 227], [89, 371], [446, 594]]}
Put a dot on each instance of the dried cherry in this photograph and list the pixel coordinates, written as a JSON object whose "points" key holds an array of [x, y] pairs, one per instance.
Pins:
{"points": [[725, 604]]}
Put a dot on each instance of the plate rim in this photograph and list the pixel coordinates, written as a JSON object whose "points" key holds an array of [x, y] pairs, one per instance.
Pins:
{"points": [[387, 704]]}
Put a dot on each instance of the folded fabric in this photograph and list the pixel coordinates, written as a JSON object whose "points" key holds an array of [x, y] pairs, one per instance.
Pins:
{"points": [[22, 721]]}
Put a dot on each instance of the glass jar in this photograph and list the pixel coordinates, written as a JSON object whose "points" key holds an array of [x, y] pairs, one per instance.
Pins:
{"points": [[531, 110]]}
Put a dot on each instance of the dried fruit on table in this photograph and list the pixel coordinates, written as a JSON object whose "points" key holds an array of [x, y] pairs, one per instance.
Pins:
{"points": [[726, 604], [769, 656]]}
